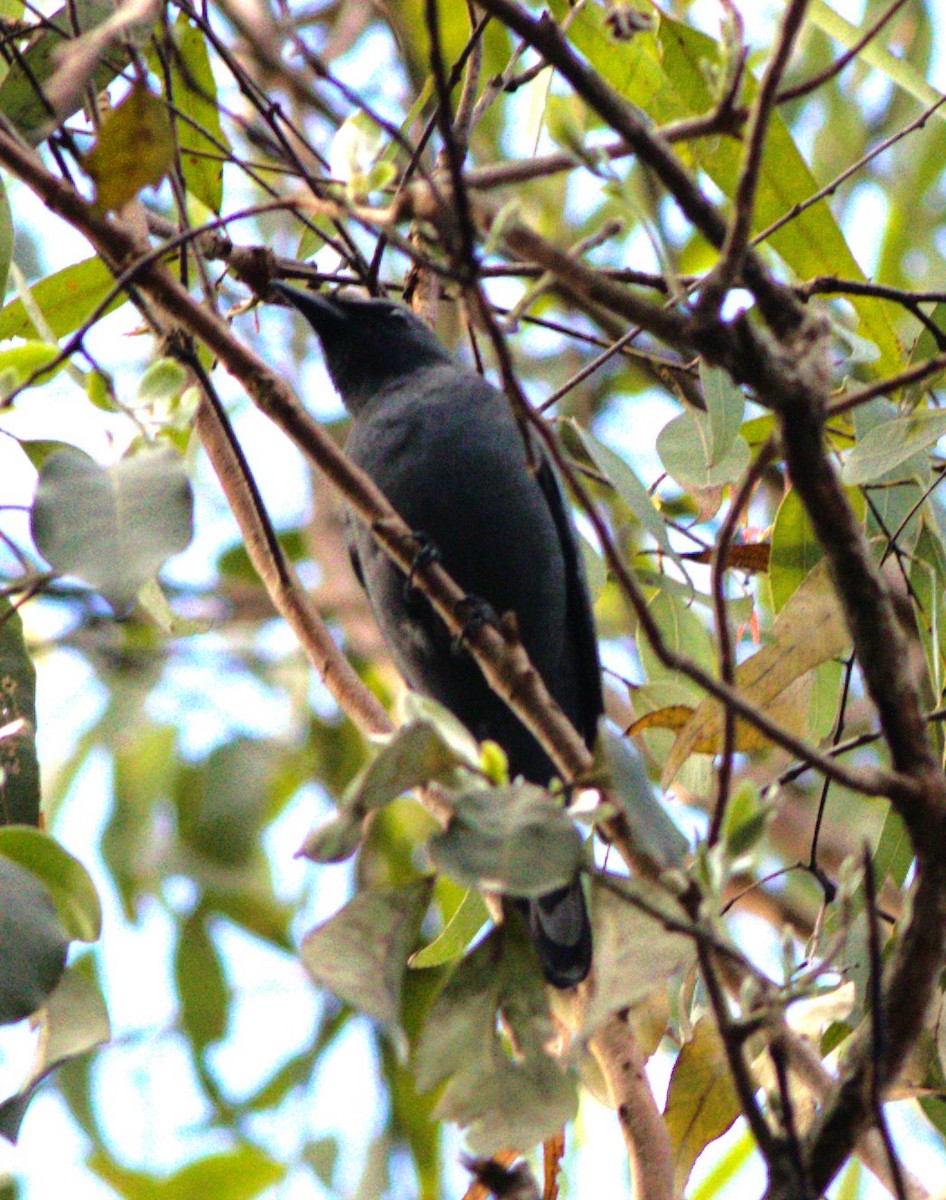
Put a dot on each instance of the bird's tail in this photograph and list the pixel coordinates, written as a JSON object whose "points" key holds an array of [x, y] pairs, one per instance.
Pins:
{"points": [[561, 934]]}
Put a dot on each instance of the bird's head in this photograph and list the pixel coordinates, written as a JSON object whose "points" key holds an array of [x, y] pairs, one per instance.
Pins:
{"points": [[366, 343]]}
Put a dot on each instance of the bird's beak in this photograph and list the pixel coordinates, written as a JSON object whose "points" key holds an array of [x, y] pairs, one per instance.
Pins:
{"points": [[321, 311]]}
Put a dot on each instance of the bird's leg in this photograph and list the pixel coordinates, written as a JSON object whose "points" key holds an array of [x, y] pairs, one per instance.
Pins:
{"points": [[477, 613], [426, 554]]}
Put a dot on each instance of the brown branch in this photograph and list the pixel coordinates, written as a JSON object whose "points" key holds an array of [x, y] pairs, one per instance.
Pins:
{"points": [[733, 251], [504, 663], [290, 599], [870, 781], [791, 378], [464, 233], [875, 1008], [881, 649], [732, 1039], [834, 285], [779, 307], [650, 1153]]}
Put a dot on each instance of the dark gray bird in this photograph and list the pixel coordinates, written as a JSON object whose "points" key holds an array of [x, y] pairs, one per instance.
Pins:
{"points": [[443, 446]]}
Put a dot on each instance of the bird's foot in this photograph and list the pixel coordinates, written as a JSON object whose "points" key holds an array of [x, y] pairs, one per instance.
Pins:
{"points": [[476, 613], [426, 554]]}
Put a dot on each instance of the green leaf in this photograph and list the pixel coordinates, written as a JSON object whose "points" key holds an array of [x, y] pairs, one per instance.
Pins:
{"points": [[33, 943], [6, 237], [810, 630], [894, 854], [891, 444], [725, 1169], [222, 804], [503, 1101], [73, 1022], [37, 450], [925, 347], [361, 953], [415, 755], [455, 734], [629, 931], [68, 882], [20, 100], [701, 1101], [100, 390], [682, 630], [322, 1155], [668, 74], [66, 299], [145, 768], [21, 363], [234, 563], [625, 482], [334, 841], [655, 835], [19, 767], [202, 142], [112, 526], [452, 941], [516, 840], [162, 383], [358, 144], [687, 450], [240, 1174], [297, 1070], [725, 406], [154, 603], [412, 1111], [902, 73], [201, 983], [897, 506], [795, 549], [134, 149], [745, 822]]}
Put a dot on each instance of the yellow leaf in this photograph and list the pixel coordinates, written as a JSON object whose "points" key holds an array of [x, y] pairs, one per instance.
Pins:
{"points": [[135, 148], [674, 716], [809, 630], [701, 1100]]}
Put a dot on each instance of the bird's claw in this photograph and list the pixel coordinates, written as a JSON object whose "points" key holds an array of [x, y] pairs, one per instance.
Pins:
{"points": [[476, 613], [426, 554]]}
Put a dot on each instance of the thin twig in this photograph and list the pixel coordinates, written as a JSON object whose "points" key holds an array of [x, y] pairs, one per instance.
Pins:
{"points": [[727, 665], [733, 251], [876, 1018], [925, 370], [829, 189], [831, 72]]}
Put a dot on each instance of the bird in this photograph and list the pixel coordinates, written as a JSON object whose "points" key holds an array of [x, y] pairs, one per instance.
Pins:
{"points": [[444, 447]]}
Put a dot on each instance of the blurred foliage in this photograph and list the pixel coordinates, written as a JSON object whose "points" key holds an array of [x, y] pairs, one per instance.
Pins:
{"points": [[199, 736]]}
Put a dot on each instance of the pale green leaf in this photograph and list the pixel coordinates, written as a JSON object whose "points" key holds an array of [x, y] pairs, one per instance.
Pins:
{"points": [[68, 882], [687, 450], [112, 526], [456, 935], [361, 953], [516, 840], [891, 444], [33, 942]]}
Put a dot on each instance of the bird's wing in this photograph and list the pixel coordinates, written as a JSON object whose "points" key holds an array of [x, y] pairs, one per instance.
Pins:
{"points": [[580, 618]]}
